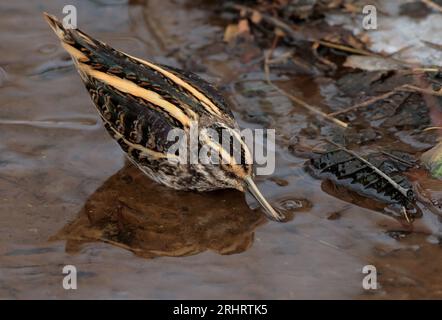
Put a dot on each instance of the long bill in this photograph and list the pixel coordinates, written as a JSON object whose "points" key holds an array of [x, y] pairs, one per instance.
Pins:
{"points": [[268, 209]]}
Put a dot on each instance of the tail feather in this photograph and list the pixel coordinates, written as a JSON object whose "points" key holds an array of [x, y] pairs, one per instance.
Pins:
{"points": [[80, 46], [73, 37], [56, 25]]}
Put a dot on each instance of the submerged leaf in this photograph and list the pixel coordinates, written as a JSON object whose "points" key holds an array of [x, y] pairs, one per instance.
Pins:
{"points": [[389, 185], [231, 32]]}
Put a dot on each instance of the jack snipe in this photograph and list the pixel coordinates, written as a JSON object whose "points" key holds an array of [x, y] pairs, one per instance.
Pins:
{"points": [[140, 102]]}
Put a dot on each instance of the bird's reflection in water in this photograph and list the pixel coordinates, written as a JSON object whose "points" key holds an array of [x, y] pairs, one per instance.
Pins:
{"points": [[132, 212]]}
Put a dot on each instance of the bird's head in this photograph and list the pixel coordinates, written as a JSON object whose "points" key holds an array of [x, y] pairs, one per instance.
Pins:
{"points": [[231, 155]]}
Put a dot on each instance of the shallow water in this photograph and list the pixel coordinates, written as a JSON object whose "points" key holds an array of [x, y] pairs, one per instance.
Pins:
{"points": [[61, 176]]}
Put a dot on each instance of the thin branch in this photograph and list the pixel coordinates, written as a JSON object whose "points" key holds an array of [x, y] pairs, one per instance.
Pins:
{"points": [[299, 101], [365, 103], [412, 88], [432, 128], [347, 48], [426, 69], [405, 213], [405, 87], [408, 163], [325, 61], [432, 5]]}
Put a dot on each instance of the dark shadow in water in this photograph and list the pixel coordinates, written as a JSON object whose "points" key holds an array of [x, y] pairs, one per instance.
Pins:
{"points": [[133, 212]]}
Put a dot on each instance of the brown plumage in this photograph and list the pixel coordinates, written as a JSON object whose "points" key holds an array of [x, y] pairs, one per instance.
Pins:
{"points": [[140, 102]]}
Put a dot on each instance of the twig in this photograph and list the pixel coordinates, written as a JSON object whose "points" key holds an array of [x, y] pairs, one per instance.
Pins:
{"points": [[405, 213], [432, 128], [426, 70], [401, 50], [405, 87], [274, 44], [347, 48], [299, 101], [408, 163], [402, 190], [412, 88], [432, 5], [325, 61], [432, 45], [364, 103]]}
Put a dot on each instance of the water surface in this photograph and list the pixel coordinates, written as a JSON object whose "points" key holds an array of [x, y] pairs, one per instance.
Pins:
{"points": [[62, 176]]}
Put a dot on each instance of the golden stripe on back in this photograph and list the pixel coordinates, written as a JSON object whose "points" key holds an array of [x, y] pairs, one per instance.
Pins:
{"points": [[204, 100], [128, 86]]}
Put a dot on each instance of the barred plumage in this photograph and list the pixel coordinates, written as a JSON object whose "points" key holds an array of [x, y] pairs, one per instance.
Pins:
{"points": [[140, 102]]}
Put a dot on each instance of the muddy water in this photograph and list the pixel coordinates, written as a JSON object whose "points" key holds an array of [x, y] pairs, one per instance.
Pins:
{"points": [[67, 196]]}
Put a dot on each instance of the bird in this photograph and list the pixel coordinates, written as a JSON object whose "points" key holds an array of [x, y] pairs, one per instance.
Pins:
{"points": [[140, 102]]}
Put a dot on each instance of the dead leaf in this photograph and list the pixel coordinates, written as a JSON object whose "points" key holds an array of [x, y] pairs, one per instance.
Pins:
{"points": [[279, 33], [349, 7], [256, 17], [230, 32], [243, 26]]}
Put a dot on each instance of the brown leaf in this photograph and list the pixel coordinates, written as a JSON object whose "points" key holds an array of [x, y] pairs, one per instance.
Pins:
{"points": [[243, 26], [279, 33], [230, 32], [256, 17]]}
